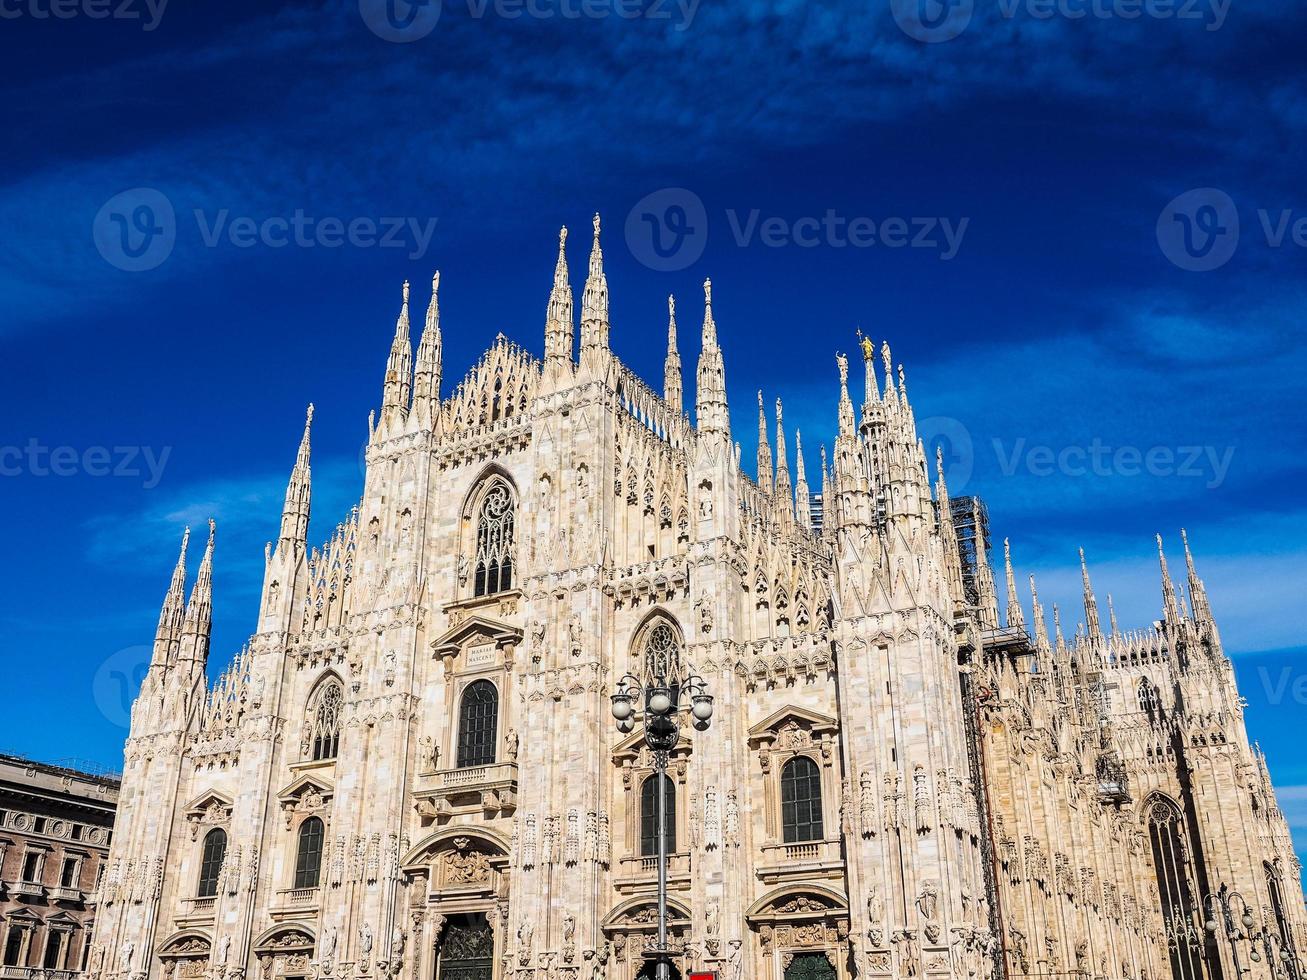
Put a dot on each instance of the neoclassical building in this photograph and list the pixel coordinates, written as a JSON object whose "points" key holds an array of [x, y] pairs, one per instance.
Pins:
{"points": [[412, 770]]}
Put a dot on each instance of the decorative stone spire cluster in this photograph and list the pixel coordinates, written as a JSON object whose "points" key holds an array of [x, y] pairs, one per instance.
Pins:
{"points": [[673, 390], [764, 450], [713, 416], [594, 309], [558, 317], [410, 397]]}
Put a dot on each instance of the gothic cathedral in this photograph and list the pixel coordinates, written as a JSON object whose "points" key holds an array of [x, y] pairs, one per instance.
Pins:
{"points": [[412, 769]]}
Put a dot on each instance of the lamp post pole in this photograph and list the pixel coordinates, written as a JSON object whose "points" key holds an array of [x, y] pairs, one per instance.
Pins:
{"points": [[661, 697]]}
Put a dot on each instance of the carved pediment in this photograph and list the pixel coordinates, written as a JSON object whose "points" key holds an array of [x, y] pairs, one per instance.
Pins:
{"points": [[633, 748], [791, 726], [210, 808], [285, 939], [473, 630], [309, 794], [791, 904], [191, 944]]}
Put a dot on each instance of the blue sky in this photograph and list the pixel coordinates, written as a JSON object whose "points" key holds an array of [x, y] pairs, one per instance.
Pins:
{"points": [[1066, 147]]}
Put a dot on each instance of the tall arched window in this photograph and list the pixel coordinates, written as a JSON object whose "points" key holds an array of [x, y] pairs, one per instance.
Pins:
{"points": [[1179, 914], [662, 652], [493, 566], [649, 816], [478, 720], [1147, 696], [324, 719], [215, 850], [1277, 908], [308, 854], [801, 800]]}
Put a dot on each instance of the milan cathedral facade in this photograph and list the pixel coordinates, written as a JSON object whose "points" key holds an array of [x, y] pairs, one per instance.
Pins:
{"points": [[412, 770]]}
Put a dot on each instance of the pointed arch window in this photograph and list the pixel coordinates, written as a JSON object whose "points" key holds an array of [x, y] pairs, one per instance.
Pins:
{"points": [[493, 565], [308, 853], [1281, 920], [324, 721], [212, 855], [649, 815], [801, 818], [662, 652], [1147, 696], [478, 721], [1175, 890]]}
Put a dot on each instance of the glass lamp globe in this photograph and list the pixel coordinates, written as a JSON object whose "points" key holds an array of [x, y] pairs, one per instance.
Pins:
{"points": [[626, 726], [1255, 956], [701, 725], [702, 707], [622, 706], [1247, 921], [1210, 925], [660, 701]]}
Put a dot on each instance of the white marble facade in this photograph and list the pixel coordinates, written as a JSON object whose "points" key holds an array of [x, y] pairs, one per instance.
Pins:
{"points": [[411, 770]]}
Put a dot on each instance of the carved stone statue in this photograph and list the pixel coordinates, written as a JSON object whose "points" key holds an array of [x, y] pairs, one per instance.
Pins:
{"points": [[510, 745]]}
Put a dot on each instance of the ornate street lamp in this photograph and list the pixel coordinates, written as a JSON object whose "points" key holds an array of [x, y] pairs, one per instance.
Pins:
{"points": [[1220, 905], [663, 697]]}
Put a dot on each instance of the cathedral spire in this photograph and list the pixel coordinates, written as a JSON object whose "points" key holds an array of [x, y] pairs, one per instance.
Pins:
{"points": [[784, 490], [987, 593], [846, 403], [888, 367], [199, 611], [1058, 639], [426, 372], [1197, 591], [172, 615], [1015, 617], [871, 398], [558, 318], [295, 512], [764, 450], [594, 306], [1170, 607], [1111, 615], [399, 368], [803, 500], [713, 416], [1091, 603], [1040, 627], [673, 392]]}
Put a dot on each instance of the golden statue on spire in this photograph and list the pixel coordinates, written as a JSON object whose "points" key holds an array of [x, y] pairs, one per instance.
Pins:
{"points": [[868, 348]]}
